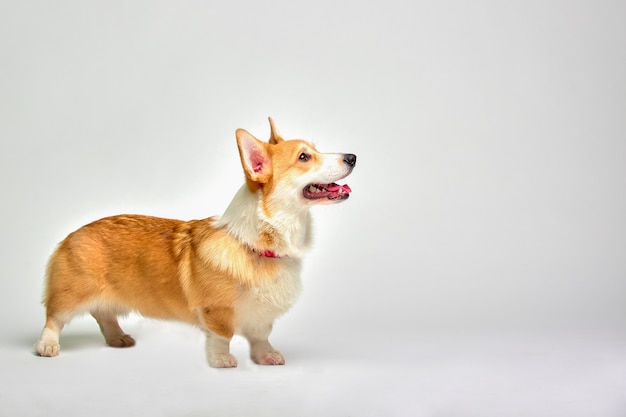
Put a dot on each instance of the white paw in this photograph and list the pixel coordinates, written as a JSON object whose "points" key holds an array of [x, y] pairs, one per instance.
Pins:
{"points": [[222, 360], [273, 357], [48, 348]]}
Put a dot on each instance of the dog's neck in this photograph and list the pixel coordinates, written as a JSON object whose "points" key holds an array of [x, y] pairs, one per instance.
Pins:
{"points": [[286, 233]]}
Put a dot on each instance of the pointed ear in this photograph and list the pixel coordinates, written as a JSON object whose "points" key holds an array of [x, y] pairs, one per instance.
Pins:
{"points": [[255, 158], [274, 135]]}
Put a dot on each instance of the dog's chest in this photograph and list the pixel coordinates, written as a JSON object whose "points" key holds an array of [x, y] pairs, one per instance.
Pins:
{"points": [[268, 298]]}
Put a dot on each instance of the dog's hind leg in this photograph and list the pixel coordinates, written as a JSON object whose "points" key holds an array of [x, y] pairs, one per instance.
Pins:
{"points": [[48, 344], [59, 311], [110, 328]]}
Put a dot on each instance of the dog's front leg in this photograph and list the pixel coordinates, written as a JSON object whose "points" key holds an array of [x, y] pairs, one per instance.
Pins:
{"points": [[261, 351], [218, 327]]}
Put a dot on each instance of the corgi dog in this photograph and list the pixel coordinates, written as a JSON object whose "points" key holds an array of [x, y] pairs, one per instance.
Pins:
{"points": [[229, 274]]}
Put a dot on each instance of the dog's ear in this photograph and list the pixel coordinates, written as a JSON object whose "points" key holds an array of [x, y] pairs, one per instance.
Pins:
{"points": [[274, 135], [255, 158]]}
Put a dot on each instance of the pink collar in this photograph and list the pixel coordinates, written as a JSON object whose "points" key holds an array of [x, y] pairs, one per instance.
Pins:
{"points": [[266, 253]]}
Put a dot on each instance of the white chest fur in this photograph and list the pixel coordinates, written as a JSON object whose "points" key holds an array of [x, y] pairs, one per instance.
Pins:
{"points": [[269, 298]]}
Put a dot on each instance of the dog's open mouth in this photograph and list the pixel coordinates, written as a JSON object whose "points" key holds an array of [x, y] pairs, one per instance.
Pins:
{"points": [[331, 191]]}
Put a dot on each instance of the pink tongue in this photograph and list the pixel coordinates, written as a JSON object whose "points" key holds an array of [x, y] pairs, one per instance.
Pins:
{"points": [[335, 188]]}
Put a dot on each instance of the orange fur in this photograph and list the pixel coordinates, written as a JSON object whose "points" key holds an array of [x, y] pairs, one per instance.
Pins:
{"points": [[157, 266]]}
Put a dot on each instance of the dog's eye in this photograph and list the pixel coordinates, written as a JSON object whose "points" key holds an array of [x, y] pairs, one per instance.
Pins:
{"points": [[304, 157]]}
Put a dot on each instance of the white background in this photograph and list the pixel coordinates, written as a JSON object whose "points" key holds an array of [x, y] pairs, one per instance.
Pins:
{"points": [[478, 269]]}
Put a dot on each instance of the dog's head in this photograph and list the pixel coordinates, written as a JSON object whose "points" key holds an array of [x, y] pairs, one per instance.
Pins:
{"points": [[293, 172]]}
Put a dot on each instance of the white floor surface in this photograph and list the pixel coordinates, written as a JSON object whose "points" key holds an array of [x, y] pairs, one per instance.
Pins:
{"points": [[439, 376]]}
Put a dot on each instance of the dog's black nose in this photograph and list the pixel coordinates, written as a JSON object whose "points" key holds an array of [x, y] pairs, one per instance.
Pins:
{"points": [[349, 159]]}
